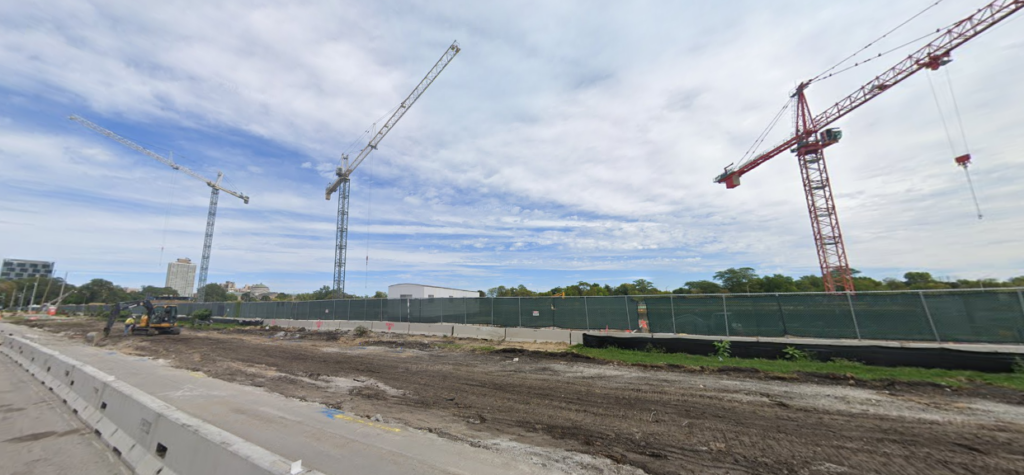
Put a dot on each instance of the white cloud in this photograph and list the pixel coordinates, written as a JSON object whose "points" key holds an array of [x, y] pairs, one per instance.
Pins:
{"points": [[563, 137]]}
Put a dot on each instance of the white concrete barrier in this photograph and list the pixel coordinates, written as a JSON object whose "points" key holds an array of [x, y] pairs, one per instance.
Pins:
{"points": [[149, 435], [576, 337], [482, 333], [389, 327], [433, 329], [536, 335]]}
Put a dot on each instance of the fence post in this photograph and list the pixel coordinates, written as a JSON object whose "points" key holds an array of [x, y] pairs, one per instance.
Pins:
{"points": [[856, 326], [629, 324], [1020, 297], [492, 311], [442, 310], [672, 307], [465, 311], [725, 315], [308, 306], [586, 311], [928, 313], [782, 315], [349, 309], [520, 312], [382, 310]]}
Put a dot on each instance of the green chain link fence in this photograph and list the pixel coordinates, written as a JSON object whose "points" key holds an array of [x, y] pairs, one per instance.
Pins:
{"points": [[989, 316]]}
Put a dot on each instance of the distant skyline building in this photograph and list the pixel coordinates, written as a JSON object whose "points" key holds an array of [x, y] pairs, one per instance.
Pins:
{"points": [[21, 269], [181, 276]]}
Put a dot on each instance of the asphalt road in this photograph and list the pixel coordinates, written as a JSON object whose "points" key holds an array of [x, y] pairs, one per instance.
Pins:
{"points": [[39, 434]]}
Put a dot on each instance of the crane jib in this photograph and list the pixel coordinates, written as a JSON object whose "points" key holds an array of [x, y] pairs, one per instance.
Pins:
{"points": [[931, 56]]}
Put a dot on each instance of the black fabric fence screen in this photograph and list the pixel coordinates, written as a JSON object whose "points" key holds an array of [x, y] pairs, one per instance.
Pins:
{"points": [[989, 316]]}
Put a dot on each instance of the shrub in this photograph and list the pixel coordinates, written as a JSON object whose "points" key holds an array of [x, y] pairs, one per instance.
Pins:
{"points": [[1018, 365], [723, 349], [360, 331], [202, 314], [793, 353]]}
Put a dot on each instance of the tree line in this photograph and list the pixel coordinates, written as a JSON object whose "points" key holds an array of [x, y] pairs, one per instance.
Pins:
{"points": [[731, 280], [746, 280]]}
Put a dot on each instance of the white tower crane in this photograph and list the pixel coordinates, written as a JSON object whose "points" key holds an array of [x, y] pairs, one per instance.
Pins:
{"points": [[215, 189], [345, 170]]}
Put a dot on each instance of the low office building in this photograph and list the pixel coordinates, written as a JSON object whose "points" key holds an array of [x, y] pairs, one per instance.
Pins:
{"points": [[419, 291], [22, 269]]}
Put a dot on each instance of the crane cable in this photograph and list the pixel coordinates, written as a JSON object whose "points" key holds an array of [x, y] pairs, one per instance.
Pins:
{"points": [[825, 74], [369, 200], [764, 134], [949, 135]]}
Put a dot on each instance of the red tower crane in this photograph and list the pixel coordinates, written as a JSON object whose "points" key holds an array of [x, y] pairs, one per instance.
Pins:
{"points": [[812, 137]]}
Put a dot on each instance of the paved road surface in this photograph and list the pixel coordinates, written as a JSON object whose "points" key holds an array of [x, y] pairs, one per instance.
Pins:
{"points": [[328, 441], [39, 434]]}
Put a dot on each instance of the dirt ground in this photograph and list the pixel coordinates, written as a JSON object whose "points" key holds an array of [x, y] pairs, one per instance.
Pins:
{"points": [[659, 420]]}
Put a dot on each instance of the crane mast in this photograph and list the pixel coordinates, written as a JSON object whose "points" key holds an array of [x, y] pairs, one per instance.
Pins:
{"points": [[811, 136], [342, 183], [215, 189]]}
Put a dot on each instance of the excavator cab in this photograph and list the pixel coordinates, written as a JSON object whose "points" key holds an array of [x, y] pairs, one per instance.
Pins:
{"points": [[163, 320]]}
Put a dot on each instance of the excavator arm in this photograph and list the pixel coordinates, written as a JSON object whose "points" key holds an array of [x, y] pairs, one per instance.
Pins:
{"points": [[115, 313]]}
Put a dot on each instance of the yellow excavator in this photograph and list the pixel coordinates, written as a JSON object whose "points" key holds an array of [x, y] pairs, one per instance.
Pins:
{"points": [[160, 318]]}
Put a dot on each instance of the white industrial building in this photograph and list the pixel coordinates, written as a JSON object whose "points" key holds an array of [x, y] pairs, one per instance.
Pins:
{"points": [[419, 291]]}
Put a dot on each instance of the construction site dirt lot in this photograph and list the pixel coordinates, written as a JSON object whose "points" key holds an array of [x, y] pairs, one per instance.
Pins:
{"points": [[658, 420]]}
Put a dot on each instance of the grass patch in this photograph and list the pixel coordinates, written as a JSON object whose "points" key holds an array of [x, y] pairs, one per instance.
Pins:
{"points": [[485, 349], [857, 370], [448, 346]]}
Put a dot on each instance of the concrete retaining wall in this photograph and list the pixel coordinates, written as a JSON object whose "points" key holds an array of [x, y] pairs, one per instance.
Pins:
{"points": [[536, 335], [482, 333], [149, 435], [435, 329]]}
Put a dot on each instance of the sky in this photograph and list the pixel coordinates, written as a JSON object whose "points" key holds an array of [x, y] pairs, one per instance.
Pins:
{"points": [[567, 141]]}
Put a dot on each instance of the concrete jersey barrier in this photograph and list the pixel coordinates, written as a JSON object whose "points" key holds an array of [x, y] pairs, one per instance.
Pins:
{"points": [[148, 434]]}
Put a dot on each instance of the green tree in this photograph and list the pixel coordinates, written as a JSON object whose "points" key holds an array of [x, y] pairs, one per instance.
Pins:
{"points": [[810, 283], [102, 291], [894, 284], [699, 287], [742, 280], [917, 278], [867, 284], [216, 293], [778, 283], [380, 294], [645, 287], [153, 291], [323, 293]]}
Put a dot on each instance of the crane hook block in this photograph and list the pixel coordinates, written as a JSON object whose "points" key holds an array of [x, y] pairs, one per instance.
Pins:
{"points": [[963, 160]]}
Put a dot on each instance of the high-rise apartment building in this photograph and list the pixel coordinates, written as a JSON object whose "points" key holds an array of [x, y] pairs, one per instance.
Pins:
{"points": [[181, 276], [21, 269]]}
